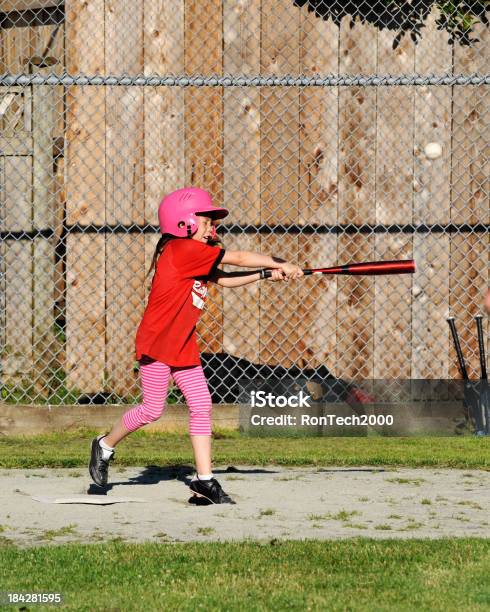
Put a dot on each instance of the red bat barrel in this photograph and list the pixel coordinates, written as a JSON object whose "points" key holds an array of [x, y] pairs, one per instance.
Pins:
{"points": [[369, 268]]}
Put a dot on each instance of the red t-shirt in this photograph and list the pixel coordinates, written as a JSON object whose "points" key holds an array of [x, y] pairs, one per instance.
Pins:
{"points": [[167, 331]]}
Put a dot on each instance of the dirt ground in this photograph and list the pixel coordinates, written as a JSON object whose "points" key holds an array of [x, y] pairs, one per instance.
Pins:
{"points": [[272, 502]]}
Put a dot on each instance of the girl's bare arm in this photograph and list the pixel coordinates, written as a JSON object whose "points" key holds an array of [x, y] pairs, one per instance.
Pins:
{"points": [[238, 279], [247, 259]]}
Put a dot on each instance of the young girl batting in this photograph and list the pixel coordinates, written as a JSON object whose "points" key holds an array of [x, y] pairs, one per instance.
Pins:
{"points": [[185, 259]]}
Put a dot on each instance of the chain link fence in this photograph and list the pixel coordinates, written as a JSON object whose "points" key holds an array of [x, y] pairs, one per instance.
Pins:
{"points": [[326, 144]]}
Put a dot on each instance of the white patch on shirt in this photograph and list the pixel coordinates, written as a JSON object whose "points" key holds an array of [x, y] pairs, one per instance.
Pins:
{"points": [[199, 291]]}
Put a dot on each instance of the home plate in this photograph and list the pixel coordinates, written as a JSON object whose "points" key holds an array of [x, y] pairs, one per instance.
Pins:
{"points": [[103, 500]]}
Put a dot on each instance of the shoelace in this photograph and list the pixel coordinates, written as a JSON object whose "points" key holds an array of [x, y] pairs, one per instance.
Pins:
{"points": [[104, 463]]}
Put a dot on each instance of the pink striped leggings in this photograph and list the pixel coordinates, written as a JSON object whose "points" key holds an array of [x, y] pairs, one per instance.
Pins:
{"points": [[155, 378]]}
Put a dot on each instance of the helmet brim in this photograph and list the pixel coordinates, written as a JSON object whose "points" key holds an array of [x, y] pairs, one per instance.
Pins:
{"points": [[214, 213]]}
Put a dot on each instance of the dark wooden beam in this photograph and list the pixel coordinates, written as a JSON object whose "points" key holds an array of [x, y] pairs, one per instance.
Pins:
{"points": [[25, 18], [6, 6]]}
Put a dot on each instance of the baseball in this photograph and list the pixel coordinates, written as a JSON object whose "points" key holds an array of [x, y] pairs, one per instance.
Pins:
{"points": [[433, 150]]}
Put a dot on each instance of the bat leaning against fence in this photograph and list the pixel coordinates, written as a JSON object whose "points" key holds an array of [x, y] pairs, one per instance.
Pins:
{"points": [[471, 399], [484, 388]]}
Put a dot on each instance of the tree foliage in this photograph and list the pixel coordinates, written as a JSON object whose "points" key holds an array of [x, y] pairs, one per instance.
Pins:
{"points": [[406, 17]]}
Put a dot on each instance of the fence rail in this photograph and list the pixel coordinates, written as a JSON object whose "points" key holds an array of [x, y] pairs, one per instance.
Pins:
{"points": [[346, 80]]}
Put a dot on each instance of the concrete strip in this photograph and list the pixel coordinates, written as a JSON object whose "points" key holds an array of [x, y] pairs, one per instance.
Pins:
{"points": [[16, 420]]}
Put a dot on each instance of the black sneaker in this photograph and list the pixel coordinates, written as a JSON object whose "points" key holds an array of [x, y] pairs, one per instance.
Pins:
{"points": [[210, 490], [98, 466]]}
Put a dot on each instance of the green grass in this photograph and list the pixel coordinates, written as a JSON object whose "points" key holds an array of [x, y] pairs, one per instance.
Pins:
{"points": [[342, 515], [50, 534], [355, 574], [414, 481], [205, 530], [413, 525], [267, 512], [471, 504], [70, 449]]}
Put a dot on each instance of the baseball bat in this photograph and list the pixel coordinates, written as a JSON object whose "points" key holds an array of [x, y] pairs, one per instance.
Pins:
{"points": [[484, 388], [368, 268], [457, 346], [481, 348]]}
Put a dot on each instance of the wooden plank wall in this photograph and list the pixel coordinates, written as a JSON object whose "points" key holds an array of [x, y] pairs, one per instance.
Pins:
{"points": [[347, 155], [394, 188], [318, 190], [279, 168], [17, 182], [44, 204], [470, 199], [47, 123], [432, 119], [124, 191], [16, 216], [241, 169], [28, 181], [86, 176], [356, 203]]}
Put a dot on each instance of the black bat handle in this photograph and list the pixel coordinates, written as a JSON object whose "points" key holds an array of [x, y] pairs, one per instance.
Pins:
{"points": [[457, 346], [481, 347], [268, 273]]}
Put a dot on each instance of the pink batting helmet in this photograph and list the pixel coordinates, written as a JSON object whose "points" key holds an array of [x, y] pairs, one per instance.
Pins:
{"points": [[177, 211]]}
